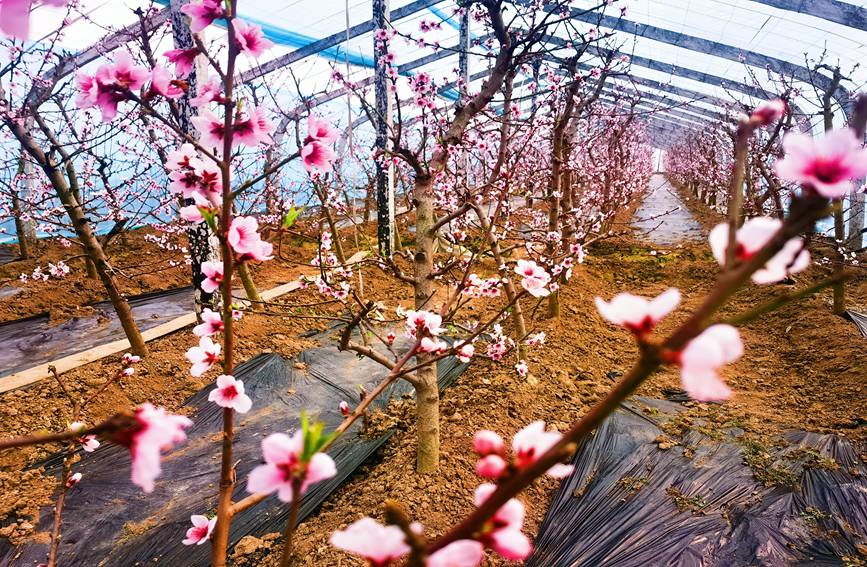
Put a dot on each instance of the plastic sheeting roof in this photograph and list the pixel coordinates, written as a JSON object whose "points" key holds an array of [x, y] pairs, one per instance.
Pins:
{"points": [[694, 53]]}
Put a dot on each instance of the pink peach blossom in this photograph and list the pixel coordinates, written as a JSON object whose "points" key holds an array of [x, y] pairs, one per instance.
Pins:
{"points": [[162, 83], [752, 237], [182, 158], [465, 352], [486, 442], [320, 130], [212, 323], [73, 479], [534, 278], [156, 431], [428, 322], [460, 553], [123, 74], [638, 314], [825, 165], [112, 84], [245, 240], [769, 111], [433, 345], [15, 16], [184, 59], [253, 130], [208, 92], [203, 13], [229, 393], [191, 213], [129, 359], [532, 442], [369, 539], [250, 38], [283, 464], [201, 530], [213, 272], [491, 467], [211, 128], [89, 442], [317, 157], [502, 532], [204, 356], [715, 347]]}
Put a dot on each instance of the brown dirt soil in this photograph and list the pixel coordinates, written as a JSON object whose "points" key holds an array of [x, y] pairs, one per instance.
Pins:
{"points": [[142, 267], [800, 362]]}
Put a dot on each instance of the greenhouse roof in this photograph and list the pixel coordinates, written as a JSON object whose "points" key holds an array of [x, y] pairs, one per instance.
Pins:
{"points": [[689, 59]]}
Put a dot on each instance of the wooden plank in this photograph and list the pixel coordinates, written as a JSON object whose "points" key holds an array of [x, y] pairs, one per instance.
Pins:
{"points": [[37, 373]]}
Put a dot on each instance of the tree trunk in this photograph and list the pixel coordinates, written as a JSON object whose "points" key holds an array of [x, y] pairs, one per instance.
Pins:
{"points": [[553, 218], [840, 243], [250, 287], [508, 284], [856, 221], [839, 288], [427, 399], [96, 255], [427, 394], [81, 226], [90, 268], [20, 227]]}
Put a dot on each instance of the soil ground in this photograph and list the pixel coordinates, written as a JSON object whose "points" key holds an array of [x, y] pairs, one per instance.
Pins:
{"points": [[804, 368]]}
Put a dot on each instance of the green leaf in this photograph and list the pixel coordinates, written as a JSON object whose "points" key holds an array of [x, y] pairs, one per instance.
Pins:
{"points": [[313, 436], [291, 217], [210, 218]]}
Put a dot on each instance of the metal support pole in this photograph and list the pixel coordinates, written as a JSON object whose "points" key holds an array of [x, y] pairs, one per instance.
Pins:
{"points": [[384, 175], [464, 70]]}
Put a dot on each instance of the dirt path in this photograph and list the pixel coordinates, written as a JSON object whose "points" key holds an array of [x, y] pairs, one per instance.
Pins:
{"points": [[663, 218]]}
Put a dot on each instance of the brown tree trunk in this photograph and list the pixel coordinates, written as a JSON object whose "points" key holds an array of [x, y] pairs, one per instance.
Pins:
{"points": [[427, 394], [20, 227], [554, 215], [839, 288], [66, 193], [90, 268], [250, 287], [508, 284], [840, 242]]}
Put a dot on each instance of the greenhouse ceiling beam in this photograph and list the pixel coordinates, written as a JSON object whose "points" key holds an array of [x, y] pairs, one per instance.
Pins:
{"points": [[683, 103], [644, 62], [676, 108], [692, 96], [614, 92], [684, 72], [674, 129], [835, 11], [647, 108], [716, 49], [332, 41]]}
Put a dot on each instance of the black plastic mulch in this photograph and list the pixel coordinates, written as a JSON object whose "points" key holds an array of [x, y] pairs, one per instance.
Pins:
{"points": [[109, 522], [34, 340], [629, 503], [7, 255], [860, 320]]}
